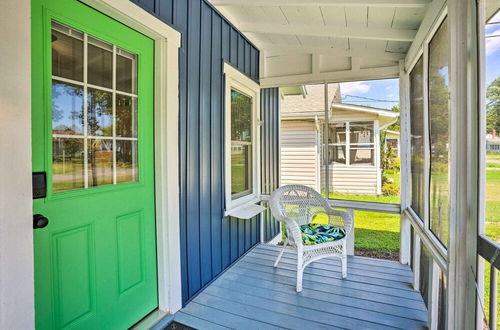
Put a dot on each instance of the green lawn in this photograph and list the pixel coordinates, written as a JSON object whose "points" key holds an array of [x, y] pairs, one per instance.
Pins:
{"points": [[375, 231]]}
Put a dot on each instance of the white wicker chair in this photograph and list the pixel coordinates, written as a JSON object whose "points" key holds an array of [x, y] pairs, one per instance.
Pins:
{"points": [[296, 205]]}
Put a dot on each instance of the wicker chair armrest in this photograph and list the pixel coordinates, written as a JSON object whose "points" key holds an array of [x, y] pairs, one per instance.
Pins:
{"points": [[346, 216], [293, 230]]}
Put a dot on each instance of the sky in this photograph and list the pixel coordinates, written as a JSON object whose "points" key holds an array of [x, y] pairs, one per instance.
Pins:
{"points": [[493, 48], [388, 89], [371, 90]]}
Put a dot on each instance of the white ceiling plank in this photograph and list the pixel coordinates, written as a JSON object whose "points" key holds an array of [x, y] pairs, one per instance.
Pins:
{"points": [[408, 18], [332, 3], [334, 16], [284, 49], [338, 76], [379, 17], [329, 31], [303, 14]]}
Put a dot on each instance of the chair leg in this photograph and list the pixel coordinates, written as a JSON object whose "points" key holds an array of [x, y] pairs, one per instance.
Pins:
{"points": [[344, 260], [281, 254], [300, 271], [344, 266]]}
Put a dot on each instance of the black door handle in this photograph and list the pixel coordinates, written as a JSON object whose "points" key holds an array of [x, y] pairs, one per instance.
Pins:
{"points": [[39, 221]]}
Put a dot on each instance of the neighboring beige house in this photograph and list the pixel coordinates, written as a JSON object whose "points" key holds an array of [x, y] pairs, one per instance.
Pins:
{"points": [[353, 148], [492, 142], [392, 138]]}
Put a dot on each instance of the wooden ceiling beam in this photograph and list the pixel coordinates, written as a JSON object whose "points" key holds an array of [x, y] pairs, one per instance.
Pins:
{"points": [[286, 49], [324, 3], [317, 30]]}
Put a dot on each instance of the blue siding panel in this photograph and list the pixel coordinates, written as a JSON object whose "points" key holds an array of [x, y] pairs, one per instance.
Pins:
{"points": [[205, 129], [216, 148], [193, 148], [209, 241], [269, 112]]}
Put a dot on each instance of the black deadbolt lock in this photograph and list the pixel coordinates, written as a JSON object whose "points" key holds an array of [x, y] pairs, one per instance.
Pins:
{"points": [[39, 221]]}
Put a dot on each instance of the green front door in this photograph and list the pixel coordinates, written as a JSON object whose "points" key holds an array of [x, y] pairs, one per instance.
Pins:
{"points": [[95, 261]]}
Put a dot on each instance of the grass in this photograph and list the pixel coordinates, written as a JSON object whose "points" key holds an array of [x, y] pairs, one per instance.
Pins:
{"points": [[376, 232]]}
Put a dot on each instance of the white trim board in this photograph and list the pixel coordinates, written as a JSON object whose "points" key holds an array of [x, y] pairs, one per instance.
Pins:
{"points": [[16, 204], [237, 80], [167, 43]]}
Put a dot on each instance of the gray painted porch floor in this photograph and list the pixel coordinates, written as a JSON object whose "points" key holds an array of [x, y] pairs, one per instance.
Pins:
{"points": [[252, 294]]}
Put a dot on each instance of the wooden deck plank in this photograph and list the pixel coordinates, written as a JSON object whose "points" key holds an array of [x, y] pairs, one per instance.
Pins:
{"points": [[346, 283], [204, 310], [273, 287], [403, 271], [332, 289], [356, 261], [259, 315], [252, 294], [196, 322], [311, 309], [354, 275]]}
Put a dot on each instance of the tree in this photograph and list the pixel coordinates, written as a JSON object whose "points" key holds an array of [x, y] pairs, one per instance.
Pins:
{"points": [[493, 106]]}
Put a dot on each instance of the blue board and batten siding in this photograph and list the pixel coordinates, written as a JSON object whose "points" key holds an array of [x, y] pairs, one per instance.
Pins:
{"points": [[269, 112], [210, 242]]}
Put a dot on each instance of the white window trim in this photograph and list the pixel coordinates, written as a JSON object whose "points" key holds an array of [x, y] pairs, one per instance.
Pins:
{"points": [[166, 103], [237, 80]]}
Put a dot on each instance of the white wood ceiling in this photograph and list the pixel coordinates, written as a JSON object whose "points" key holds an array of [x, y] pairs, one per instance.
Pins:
{"points": [[309, 41]]}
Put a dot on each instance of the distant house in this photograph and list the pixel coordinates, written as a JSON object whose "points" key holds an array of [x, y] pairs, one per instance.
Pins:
{"points": [[353, 147], [492, 142], [392, 139]]}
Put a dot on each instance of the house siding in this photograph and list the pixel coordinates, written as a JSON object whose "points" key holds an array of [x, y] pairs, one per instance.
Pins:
{"points": [[209, 241], [299, 153]]}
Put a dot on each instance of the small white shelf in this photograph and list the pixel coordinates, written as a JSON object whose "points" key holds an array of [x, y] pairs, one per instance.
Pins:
{"points": [[246, 211]]}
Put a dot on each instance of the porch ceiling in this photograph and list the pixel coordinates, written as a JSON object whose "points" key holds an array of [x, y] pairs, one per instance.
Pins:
{"points": [[310, 41]]}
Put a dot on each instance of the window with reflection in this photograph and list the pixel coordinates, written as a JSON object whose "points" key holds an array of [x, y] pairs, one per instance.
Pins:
{"points": [[417, 138], [439, 108], [94, 115], [241, 144], [491, 121]]}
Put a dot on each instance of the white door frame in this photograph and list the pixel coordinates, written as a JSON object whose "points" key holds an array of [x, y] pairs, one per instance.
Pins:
{"points": [[16, 203]]}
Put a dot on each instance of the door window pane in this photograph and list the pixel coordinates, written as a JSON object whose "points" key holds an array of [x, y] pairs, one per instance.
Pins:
{"points": [[100, 162], [102, 154], [126, 116], [67, 108], [100, 63], [241, 144], [439, 132], [125, 72], [100, 113], [417, 138], [67, 164], [126, 161], [67, 53]]}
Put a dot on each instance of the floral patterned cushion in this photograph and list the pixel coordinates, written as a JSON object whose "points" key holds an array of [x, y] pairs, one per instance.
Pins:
{"points": [[315, 233]]}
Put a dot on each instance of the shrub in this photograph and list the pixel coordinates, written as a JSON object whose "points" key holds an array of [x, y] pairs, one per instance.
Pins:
{"points": [[390, 189]]}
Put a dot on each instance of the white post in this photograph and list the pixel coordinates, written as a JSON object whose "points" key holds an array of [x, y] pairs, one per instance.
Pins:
{"points": [[405, 166], [350, 237], [462, 249]]}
